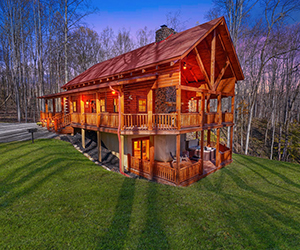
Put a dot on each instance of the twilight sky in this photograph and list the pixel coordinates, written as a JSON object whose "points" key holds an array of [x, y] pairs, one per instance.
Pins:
{"points": [[136, 14]]}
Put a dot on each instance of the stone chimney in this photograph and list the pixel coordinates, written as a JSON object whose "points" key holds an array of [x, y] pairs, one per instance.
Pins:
{"points": [[163, 33]]}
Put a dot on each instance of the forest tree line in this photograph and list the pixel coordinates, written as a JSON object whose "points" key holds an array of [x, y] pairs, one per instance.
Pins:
{"points": [[44, 44]]}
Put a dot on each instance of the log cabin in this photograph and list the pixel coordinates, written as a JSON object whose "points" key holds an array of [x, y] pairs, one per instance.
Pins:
{"points": [[160, 108]]}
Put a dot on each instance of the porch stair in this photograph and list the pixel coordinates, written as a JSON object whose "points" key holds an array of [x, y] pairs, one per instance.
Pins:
{"points": [[66, 130]]}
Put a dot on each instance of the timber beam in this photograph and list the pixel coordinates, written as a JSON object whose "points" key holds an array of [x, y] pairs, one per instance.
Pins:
{"points": [[202, 68]]}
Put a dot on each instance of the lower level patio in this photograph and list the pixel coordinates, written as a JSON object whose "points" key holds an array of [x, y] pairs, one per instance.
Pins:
{"points": [[189, 171]]}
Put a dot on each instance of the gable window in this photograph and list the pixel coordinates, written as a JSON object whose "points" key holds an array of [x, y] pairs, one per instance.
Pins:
{"points": [[116, 105], [140, 148], [142, 105]]}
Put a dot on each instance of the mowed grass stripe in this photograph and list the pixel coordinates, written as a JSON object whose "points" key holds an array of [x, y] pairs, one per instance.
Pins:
{"points": [[52, 197]]}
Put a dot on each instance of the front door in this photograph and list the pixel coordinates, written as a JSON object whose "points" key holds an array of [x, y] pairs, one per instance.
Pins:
{"points": [[140, 148]]}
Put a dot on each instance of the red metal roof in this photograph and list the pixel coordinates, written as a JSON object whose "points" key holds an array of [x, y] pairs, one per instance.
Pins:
{"points": [[173, 47]]}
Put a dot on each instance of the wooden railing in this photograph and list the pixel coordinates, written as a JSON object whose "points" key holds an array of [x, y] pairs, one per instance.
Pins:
{"points": [[227, 117], [165, 121], [165, 172], [189, 171], [76, 117], [139, 165], [210, 118], [64, 121], [109, 120], [132, 121], [91, 118], [140, 121], [190, 119], [224, 156]]}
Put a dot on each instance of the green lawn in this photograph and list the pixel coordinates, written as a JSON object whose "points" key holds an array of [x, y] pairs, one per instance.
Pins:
{"points": [[52, 197]]}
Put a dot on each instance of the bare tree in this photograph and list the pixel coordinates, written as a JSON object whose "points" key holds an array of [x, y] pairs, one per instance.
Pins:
{"points": [[144, 36], [123, 42]]}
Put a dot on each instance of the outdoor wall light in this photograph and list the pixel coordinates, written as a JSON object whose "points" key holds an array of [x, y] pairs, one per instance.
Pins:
{"points": [[184, 65]]}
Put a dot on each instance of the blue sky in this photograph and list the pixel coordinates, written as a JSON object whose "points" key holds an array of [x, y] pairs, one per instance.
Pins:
{"points": [[134, 14]]}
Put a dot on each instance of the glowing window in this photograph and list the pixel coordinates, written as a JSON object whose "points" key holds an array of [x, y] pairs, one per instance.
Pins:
{"points": [[102, 105], [116, 105], [75, 106], [140, 148], [142, 105]]}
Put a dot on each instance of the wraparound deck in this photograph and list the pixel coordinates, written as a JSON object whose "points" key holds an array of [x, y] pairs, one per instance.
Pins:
{"points": [[138, 122]]}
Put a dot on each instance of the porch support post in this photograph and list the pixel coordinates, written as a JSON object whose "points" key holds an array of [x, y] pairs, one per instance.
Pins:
{"points": [[121, 154], [231, 141], [151, 155], [208, 111], [62, 105], [201, 151], [98, 109], [208, 138], [55, 125], [47, 114], [178, 106], [219, 109], [202, 109], [53, 104], [218, 149], [178, 159], [48, 123], [83, 137], [70, 110], [99, 146], [232, 105], [232, 127], [46, 106], [150, 108], [122, 115], [82, 110]]}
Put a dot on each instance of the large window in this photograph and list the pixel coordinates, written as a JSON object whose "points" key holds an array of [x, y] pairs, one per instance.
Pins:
{"points": [[102, 105], [75, 105], [116, 105], [142, 105], [140, 148]]}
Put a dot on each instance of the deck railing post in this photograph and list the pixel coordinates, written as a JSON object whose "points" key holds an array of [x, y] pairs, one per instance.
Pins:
{"points": [[48, 123], [218, 149], [83, 137], [178, 106], [178, 159], [55, 125], [151, 156], [150, 109]]}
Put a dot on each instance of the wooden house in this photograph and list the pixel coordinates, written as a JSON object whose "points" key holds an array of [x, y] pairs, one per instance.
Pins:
{"points": [[145, 104]]}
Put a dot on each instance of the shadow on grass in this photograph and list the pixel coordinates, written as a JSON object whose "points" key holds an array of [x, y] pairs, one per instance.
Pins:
{"points": [[8, 187], [4, 145], [281, 176], [258, 216], [244, 186], [153, 236], [117, 232]]}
